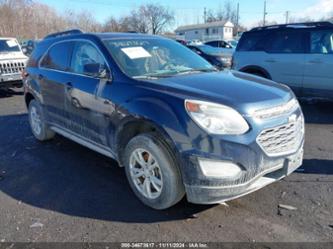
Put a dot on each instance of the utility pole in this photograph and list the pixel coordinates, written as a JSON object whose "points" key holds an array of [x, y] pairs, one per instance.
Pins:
{"points": [[237, 19], [205, 15], [265, 13], [287, 17]]}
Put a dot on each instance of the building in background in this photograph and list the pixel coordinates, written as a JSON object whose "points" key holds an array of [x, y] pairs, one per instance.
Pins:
{"points": [[221, 30]]}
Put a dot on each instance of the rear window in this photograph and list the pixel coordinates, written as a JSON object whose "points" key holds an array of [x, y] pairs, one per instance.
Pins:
{"points": [[58, 57]]}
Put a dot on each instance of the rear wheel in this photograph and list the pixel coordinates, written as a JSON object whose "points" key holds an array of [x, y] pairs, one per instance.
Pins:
{"points": [[152, 171], [39, 128]]}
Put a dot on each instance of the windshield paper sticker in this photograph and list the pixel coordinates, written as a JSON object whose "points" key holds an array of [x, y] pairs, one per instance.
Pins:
{"points": [[136, 52], [11, 43]]}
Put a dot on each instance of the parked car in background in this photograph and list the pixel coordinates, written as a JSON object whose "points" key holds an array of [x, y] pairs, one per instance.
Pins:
{"points": [[28, 46], [219, 57], [175, 123], [12, 63], [194, 42], [233, 43], [219, 44], [299, 55], [183, 42]]}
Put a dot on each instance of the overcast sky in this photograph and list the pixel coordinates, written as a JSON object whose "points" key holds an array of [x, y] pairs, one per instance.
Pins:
{"points": [[191, 11]]}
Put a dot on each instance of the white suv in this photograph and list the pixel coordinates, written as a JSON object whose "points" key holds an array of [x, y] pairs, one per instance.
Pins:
{"points": [[298, 55], [12, 63]]}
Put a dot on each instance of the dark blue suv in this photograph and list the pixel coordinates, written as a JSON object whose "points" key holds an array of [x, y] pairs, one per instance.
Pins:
{"points": [[175, 123]]}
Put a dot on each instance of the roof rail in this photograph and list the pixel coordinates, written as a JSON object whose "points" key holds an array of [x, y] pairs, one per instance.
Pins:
{"points": [[67, 32], [295, 25]]}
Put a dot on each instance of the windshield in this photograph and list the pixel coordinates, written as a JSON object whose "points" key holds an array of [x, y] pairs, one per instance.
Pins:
{"points": [[9, 45], [154, 57]]}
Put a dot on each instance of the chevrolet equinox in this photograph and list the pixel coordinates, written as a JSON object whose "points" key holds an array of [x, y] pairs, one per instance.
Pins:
{"points": [[176, 124]]}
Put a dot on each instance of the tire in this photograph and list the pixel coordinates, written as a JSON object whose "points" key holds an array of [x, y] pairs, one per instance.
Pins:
{"points": [[164, 193], [36, 118]]}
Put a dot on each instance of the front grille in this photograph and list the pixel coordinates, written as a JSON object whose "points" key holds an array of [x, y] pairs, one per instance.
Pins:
{"points": [[11, 67], [282, 139]]}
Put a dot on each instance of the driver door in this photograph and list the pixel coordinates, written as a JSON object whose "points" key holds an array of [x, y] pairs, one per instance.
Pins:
{"points": [[87, 93]]}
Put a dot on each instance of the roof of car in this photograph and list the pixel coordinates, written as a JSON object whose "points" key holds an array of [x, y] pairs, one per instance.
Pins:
{"points": [[304, 25], [75, 33]]}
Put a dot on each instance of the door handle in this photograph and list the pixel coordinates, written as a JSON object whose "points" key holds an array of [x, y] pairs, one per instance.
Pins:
{"points": [[40, 76]]}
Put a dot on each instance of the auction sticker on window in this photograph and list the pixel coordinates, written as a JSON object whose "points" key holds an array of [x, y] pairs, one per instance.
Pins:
{"points": [[11, 43], [136, 52]]}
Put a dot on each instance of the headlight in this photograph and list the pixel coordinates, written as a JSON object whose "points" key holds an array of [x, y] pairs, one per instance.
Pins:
{"points": [[216, 118]]}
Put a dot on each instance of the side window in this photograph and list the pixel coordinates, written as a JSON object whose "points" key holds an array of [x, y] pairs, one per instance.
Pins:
{"points": [[287, 42], [253, 41], [86, 59], [321, 42], [58, 56], [212, 43]]}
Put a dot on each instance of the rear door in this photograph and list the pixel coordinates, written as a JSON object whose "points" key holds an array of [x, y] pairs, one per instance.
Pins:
{"points": [[53, 76], [318, 75], [87, 93], [285, 57]]}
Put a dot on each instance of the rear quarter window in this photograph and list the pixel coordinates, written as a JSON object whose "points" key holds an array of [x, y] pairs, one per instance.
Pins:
{"points": [[253, 41], [58, 56]]}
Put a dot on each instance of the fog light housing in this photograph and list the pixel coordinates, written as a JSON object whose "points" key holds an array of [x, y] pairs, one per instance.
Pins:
{"points": [[221, 169]]}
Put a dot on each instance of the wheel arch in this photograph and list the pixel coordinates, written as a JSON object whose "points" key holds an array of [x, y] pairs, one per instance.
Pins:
{"points": [[251, 69], [28, 98]]}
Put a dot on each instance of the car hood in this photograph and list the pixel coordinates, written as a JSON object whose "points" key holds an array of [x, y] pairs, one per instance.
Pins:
{"points": [[241, 91]]}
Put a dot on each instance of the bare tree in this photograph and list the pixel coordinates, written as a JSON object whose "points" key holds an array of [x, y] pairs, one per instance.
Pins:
{"points": [[227, 13], [157, 16], [27, 19]]}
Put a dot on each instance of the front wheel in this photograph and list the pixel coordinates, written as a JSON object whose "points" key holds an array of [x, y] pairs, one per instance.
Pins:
{"points": [[152, 171], [39, 128]]}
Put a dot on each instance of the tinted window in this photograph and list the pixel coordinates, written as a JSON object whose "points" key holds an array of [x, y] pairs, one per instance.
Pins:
{"points": [[213, 43], [253, 41], [58, 56], [286, 42], [322, 42], [85, 53]]}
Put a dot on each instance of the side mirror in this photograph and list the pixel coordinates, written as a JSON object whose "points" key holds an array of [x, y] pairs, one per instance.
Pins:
{"points": [[96, 70]]}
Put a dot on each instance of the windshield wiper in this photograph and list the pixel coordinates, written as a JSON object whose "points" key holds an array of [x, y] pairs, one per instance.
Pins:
{"points": [[194, 70], [178, 72], [146, 77]]}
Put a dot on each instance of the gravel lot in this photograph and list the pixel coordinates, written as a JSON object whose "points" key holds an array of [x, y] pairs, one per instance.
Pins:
{"points": [[61, 191]]}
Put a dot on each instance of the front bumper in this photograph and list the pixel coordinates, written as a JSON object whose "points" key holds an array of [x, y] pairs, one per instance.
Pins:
{"points": [[10, 80], [219, 194], [259, 163]]}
